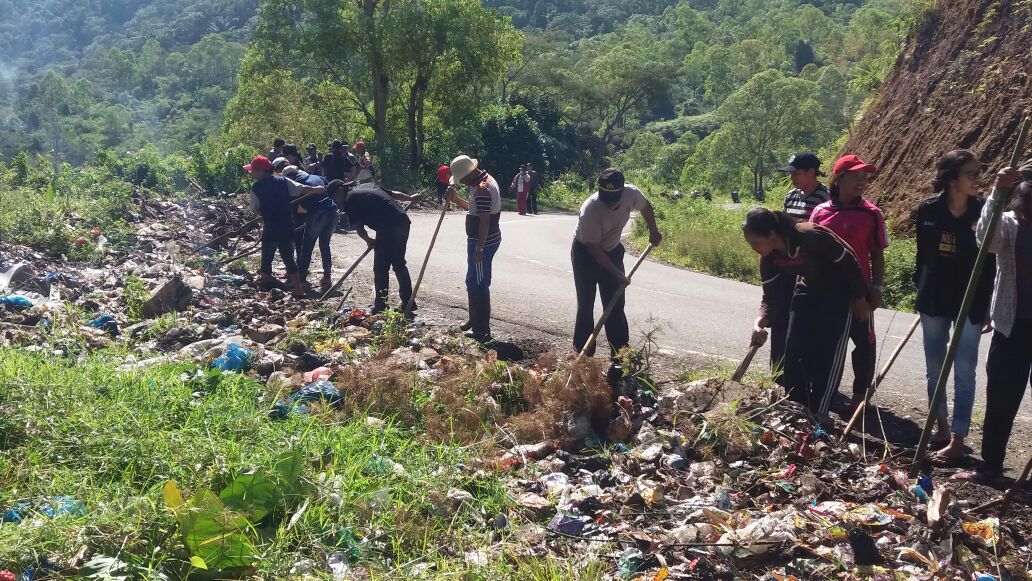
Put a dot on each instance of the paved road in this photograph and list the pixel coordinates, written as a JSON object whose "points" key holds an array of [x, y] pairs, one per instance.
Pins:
{"points": [[697, 313]]}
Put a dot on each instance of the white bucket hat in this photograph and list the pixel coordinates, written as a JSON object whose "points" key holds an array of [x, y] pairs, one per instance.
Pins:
{"points": [[461, 167]]}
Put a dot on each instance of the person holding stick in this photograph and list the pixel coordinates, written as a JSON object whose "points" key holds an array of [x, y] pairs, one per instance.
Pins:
{"points": [[597, 256], [1010, 359], [946, 251], [861, 225], [804, 169], [370, 206], [831, 294], [320, 224], [483, 237], [520, 189], [270, 196]]}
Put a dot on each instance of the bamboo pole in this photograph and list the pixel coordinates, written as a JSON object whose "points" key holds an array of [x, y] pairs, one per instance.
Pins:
{"points": [[965, 305], [881, 377], [426, 260]]}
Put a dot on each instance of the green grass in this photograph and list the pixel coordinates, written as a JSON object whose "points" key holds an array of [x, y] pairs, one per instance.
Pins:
{"points": [[113, 439]]}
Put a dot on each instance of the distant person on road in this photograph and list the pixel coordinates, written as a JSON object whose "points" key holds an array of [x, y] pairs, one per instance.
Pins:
{"points": [[520, 189], [443, 181], [337, 165], [535, 189], [271, 197], [370, 206], [483, 237], [808, 192], [597, 256], [320, 224], [946, 250], [364, 173], [313, 161], [277, 148], [804, 168], [862, 226], [831, 295], [1010, 357]]}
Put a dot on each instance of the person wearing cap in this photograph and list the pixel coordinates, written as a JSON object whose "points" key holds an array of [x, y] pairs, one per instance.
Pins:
{"points": [[277, 148], [861, 225], [443, 180], [271, 197], [520, 189], [336, 165], [597, 256], [313, 161], [804, 169], [279, 165], [293, 155], [368, 206], [483, 237], [364, 171], [320, 220]]}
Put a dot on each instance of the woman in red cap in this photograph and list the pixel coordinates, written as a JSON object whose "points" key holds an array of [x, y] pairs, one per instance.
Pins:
{"points": [[861, 225]]}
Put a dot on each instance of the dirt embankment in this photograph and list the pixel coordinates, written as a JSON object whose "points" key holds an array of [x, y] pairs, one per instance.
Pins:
{"points": [[962, 80]]}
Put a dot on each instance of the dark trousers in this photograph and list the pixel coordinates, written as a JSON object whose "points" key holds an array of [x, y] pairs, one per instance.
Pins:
{"points": [[865, 354], [318, 228], [779, 325], [285, 245], [442, 192], [532, 202], [588, 275], [1007, 375], [815, 348], [300, 227], [389, 253]]}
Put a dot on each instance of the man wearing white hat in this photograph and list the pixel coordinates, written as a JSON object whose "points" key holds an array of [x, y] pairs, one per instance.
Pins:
{"points": [[483, 236]]}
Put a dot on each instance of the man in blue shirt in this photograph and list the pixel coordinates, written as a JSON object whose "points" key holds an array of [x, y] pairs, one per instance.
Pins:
{"points": [[271, 197]]}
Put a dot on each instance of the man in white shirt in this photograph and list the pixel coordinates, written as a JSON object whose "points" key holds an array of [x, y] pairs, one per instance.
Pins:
{"points": [[597, 255]]}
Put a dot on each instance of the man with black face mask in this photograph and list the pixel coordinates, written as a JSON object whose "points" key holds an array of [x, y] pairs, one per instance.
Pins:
{"points": [[597, 255]]}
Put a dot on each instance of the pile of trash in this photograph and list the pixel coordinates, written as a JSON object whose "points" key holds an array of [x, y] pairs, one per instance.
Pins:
{"points": [[719, 482]]}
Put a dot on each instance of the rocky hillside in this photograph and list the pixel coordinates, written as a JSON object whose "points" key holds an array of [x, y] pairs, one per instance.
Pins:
{"points": [[962, 80]]}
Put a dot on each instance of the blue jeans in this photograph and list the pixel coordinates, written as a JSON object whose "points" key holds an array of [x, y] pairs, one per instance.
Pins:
{"points": [[478, 274], [936, 331]]}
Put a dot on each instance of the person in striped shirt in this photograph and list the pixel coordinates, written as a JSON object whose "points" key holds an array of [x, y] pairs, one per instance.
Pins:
{"points": [[483, 237]]}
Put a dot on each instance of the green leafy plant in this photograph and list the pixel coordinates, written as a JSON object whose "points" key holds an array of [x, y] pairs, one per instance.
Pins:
{"points": [[135, 294]]}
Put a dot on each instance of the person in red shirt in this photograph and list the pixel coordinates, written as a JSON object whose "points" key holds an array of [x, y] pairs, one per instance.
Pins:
{"points": [[443, 181], [861, 225]]}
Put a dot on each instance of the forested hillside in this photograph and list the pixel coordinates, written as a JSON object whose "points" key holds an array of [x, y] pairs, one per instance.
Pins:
{"points": [[693, 93], [91, 74]]}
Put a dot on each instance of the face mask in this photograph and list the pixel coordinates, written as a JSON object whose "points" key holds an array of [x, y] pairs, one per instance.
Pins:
{"points": [[610, 197]]}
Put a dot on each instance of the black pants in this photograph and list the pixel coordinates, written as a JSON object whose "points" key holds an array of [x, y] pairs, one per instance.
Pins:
{"points": [[532, 202], [779, 325], [442, 192], [865, 354], [587, 275], [815, 348], [1007, 374], [388, 254], [319, 227], [285, 245]]}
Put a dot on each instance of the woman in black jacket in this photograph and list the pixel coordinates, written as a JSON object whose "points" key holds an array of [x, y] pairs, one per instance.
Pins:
{"points": [[946, 250]]}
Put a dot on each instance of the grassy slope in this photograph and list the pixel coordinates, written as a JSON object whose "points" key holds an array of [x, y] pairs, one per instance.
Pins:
{"points": [[112, 439]]}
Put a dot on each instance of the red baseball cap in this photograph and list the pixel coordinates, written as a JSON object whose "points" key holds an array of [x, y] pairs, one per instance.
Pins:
{"points": [[852, 163], [359, 145], [260, 163]]}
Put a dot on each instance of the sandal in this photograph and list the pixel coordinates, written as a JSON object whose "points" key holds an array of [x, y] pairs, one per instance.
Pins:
{"points": [[980, 477]]}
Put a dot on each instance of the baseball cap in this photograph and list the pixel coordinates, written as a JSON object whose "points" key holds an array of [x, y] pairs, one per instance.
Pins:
{"points": [[1026, 170], [290, 170], [852, 163], [259, 163], [611, 180], [359, 144], [279, 163], [802, 161], [335, 144]]}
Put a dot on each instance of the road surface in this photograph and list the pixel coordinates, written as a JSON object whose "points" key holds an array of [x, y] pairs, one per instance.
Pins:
{"points": [[697, 314]]}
